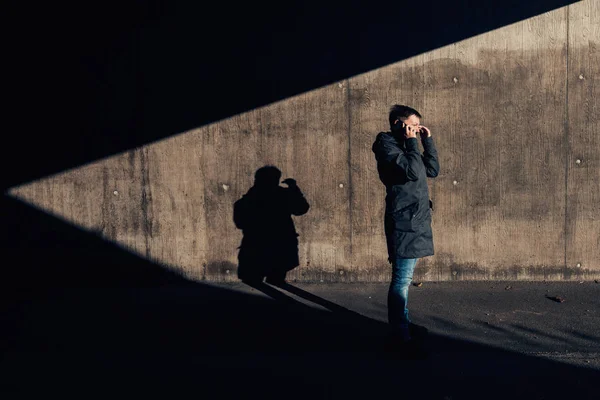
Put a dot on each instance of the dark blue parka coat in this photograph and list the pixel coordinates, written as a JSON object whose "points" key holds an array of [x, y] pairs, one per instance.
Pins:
{"points": [[404, 172]]}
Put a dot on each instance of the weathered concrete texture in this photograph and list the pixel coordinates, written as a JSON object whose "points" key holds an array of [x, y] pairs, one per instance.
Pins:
{"points": [[583, 142], [514, 113]]}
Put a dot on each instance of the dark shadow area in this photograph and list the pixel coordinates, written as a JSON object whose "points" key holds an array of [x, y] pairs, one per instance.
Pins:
{"points": [[274, 293], [279, 296], [531, 341], [82, 316], [582, 336], [537, 332], [40, 251], [485, 325], [359, 324], [314, 299], [269, 247], [449, 325], [85, 80]]}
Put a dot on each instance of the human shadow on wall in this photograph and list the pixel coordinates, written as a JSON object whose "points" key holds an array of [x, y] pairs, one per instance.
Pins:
{"points": [[269, 247]]}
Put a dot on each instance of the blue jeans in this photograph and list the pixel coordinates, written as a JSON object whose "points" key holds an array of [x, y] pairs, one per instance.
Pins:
{"points": [[402, 274]]}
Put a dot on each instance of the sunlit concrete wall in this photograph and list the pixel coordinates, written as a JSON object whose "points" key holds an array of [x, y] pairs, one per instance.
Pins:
{"points": [[515, 116]]}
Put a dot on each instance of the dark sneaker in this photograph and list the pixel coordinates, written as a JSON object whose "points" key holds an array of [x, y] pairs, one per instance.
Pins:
{"points": [[405, 350], [417, 331], [412, 350]]}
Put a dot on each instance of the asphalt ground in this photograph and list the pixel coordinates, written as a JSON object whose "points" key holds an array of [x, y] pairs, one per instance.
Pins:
{"points": [[309, 341]]}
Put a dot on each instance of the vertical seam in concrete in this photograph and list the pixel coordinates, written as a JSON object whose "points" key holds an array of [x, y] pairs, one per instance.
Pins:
{"points": [[105, 201], [567, 144], [204, 183], [146, 199], [349, 112]]}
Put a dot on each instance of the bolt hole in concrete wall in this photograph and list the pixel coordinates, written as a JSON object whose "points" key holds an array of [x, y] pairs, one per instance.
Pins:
{"points": [[514, 113]]}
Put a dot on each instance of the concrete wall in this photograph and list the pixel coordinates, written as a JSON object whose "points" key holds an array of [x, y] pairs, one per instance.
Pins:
{"points": [[515, 115]]}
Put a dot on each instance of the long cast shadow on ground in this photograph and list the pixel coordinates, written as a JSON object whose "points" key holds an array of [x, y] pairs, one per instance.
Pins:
{"points": [[80, 315]]}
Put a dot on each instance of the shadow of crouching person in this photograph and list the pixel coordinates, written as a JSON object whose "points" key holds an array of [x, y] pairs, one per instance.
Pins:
{"points": [[269, 245]]}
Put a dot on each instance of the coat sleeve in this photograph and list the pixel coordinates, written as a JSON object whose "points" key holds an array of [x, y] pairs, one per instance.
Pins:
{"points": [[430, 158], [296, 201], [410, 162]]}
